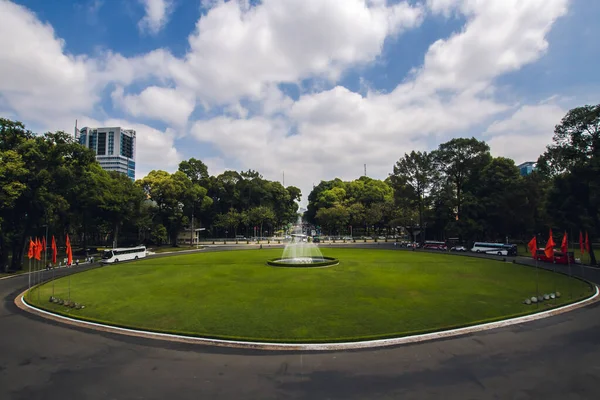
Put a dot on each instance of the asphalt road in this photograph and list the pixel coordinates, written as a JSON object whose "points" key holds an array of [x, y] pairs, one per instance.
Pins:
{"points": [[554, 358]]}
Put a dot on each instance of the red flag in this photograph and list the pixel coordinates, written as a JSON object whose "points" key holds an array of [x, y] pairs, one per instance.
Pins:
{"points": [[564, 247], [587, 242], [69, 252], [44, 245], [31, 251], [532, 245], [54, 250], [38, 249], [581, 246], [550, 246]]}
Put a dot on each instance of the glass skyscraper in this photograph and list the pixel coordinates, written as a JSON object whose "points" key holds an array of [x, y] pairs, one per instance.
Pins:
{"points": [[114, 147]]}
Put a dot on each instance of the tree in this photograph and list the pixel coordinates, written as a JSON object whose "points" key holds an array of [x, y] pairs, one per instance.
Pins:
{"points": [[12, 172], [461, 160], [232, 220], [576, 142], [172, 193], [501, 197], [315, 194], [261, 215], [195, 170], [415, 176], [159, 234], [333, 218], [572, 161], [120, 202], [48, 174]]}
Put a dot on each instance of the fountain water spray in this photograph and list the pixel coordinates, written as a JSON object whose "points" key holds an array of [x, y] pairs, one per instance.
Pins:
{"points": [[300, 251]]}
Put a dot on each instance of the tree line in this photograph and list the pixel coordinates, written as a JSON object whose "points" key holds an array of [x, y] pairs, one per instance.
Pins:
{"points": [[460, 191], [50, 183]]}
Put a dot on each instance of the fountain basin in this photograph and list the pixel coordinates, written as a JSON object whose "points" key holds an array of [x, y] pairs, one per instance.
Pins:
{"points": [[303, 262]]}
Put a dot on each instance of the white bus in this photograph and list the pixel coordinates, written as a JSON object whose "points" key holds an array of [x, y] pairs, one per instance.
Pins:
{"points": [[499, 249], [123, 254]]}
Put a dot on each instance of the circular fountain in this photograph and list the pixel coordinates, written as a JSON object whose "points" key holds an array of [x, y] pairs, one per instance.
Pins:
{"points": [[300, 252]]}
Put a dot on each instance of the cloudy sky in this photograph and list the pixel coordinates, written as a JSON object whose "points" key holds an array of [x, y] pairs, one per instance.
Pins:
{"points": [[315, 88]]}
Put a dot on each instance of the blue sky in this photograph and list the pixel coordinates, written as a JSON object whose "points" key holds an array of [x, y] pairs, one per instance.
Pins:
{"points": [[315, 88]]}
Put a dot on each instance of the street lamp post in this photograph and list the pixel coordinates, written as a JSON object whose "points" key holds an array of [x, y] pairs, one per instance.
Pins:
{"points": [[41, 278], [192, 229]]}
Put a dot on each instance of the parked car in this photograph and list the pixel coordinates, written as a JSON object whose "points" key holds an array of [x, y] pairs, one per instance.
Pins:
{"points": [[559, 257], [434, 247], [458, 248]]}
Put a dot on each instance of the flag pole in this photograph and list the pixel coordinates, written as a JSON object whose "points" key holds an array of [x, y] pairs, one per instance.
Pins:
{"points": [[45, 256], [29, 275], [537, 284], [554, 269], [570, 285], [582, 270], [39, 283]]}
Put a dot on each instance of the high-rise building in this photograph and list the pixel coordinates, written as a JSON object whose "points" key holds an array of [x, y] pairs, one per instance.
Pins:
{"points": [[527, 167], [114, 147]]}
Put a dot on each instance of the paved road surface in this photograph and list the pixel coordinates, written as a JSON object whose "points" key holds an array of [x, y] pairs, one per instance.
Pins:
{"points": [[555, 358]]}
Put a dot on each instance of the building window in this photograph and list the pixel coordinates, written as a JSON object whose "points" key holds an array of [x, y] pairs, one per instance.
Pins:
{"points": [[126, 146], [93, 139], [101, 143], [111, 143]]}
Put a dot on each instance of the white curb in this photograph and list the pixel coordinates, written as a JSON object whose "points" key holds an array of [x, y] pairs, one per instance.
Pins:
{"points": [[308, 346]]}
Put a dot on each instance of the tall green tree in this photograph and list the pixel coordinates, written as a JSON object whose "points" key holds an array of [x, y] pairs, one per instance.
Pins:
{"points": [[261, 216], [415, 175], [195, 170], [120, 202], [461, 160], [572, 161], [173, 194]]}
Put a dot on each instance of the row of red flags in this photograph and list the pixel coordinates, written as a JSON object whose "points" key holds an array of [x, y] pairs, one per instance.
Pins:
{"points": [[564, 246], [37, 246]]}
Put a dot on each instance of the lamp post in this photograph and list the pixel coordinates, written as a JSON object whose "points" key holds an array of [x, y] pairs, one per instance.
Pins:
{"points": [[192, 228], [41, 278]]}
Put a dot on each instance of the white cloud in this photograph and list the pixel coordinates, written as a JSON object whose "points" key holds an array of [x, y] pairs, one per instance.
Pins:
{"points": [[285, 41], [499, 37], [524, 135], [238, 55], [37, 79], [336, 131], [216, 165], [48, 89], [157, 15], [165, 104]]}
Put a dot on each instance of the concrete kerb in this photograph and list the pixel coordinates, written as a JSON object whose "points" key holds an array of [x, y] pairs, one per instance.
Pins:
{"points": [[22, 304]]}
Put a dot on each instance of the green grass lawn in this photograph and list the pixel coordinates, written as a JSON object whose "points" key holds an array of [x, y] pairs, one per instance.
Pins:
{"points": [[370, 294]]}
